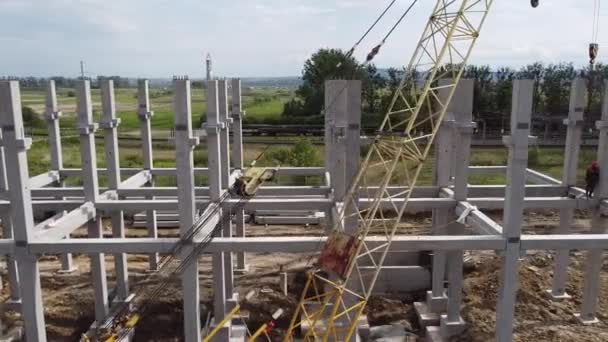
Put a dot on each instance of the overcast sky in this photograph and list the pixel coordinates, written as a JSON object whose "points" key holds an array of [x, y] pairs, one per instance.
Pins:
{"points": [[161, 38]]}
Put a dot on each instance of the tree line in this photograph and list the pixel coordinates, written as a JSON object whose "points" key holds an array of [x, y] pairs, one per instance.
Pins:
{"points": [[492, 90], [68, 82]]}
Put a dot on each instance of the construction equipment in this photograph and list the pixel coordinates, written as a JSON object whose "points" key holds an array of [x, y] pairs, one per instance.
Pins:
{"points": [[264, 329], [330, 306], [247, 184], [127, 315]]}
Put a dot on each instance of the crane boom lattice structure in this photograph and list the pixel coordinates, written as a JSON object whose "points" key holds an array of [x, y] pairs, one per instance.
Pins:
{"points": [[338, 289]]}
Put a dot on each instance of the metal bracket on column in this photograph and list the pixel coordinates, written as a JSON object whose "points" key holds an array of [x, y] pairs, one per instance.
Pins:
{"points": [[192, 141], [212, 129], [145, 115], [20, 143], [87, 128], [54, 116], [601, 124], [574, 122], [238, 115], [109, 124], [465, 127]]}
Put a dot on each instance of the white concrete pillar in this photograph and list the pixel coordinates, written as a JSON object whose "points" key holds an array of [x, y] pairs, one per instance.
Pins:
{"points": [[461, 107], [213, 127], [7, 233], [15, 145], [145, 114], [575, 123], [52, 114], [599, 224], [514, 206], [184, 145], [336, 108], [436, 298], [109, 124], [225, 122], [87, 128], [237, 124], [237, 162]]}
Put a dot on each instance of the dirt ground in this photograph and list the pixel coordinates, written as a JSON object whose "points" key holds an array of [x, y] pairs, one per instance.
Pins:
{"points": [[68, 298]]}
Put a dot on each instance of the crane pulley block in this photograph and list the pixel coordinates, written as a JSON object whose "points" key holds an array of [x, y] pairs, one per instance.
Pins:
{"points": [[593, 50]]}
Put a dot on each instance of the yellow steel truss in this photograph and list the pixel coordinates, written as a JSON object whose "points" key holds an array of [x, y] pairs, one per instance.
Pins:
{"points": [[332, 302]]}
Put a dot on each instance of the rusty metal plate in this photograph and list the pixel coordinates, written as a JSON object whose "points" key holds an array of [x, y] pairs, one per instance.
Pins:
{"points": [[338, 253]]}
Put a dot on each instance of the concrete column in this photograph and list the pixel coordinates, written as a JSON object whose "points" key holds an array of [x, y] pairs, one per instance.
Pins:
{"points": [[21, 213], [237, 162], [226, 219], [335, 147], [599, 224], [214, 127], [52, 114], [145, 114], [87, 128], [461, 106], [352, 143], [109, 123], [513, 210], [184, 144], [237, 124], [7, 233], [575, 123], [436, 299]]}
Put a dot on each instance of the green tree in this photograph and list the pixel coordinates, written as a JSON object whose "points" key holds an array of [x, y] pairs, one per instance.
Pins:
{"points": [[503, 89], [556, 85], [373, 83], [534, 72], [325, 64], [483, 100]]}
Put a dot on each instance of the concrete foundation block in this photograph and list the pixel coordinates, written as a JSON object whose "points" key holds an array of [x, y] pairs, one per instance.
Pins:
{"points": [[586, 320], [433, 334], [242, 270], [449, 329], [68, 270], [401, 279], [558, 297], [436, 304], [425, 316]]}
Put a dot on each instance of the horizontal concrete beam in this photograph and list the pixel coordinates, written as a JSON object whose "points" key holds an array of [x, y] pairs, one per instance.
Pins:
{"points": [[44, 179], [283, 171], [67, 223], [287, 244], [564, 241], [137, 180], [483, 224], [537, 177]]}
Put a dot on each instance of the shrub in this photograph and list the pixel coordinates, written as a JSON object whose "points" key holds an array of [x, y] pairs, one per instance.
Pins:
{"points": [[31, 118]]}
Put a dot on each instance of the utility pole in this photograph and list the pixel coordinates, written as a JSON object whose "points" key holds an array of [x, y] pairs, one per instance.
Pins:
{"points": [[82, 70]]}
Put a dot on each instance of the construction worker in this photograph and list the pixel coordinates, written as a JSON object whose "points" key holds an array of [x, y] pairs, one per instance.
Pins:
{"points": [[592, 177]]}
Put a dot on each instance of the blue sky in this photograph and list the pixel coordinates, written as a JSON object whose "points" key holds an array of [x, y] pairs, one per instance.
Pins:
{"points": [[160, 38]]}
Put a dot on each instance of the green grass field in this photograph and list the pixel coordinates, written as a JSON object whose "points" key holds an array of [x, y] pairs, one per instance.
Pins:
{"points": [[260, 104]]}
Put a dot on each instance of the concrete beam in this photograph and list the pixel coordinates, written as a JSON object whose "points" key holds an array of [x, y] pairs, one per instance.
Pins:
{"points": [[285, 244], [44, 179]]}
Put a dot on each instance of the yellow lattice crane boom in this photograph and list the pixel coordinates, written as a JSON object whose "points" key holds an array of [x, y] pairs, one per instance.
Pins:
{"points": [[338, 289]]}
